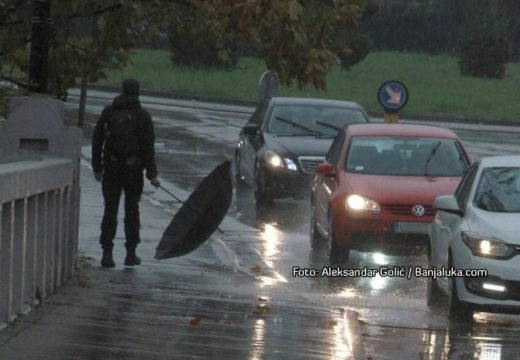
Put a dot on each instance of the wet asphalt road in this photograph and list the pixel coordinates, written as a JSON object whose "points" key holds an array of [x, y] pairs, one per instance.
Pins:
{"points": [[394, 321]]}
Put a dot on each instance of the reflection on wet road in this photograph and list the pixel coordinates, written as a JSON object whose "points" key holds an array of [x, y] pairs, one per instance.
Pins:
{"points": [[394, 319]]}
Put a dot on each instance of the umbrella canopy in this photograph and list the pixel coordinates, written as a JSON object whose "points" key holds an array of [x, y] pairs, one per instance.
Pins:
{"points": [[200, 215]]}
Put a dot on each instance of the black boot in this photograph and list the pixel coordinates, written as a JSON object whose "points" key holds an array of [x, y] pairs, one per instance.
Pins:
{"points": [[131, 258], [107, 260]]}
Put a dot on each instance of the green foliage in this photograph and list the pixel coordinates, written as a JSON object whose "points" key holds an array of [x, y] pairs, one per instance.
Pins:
{"points": [[480, 32], [437, 89], [413, 26], [296, 38], [485, 46], [485, 54], [195, 46], [90, 37], [353, 48]]}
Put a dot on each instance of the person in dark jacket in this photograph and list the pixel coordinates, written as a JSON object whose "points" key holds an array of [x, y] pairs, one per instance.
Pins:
{"points": [[121, 171]]}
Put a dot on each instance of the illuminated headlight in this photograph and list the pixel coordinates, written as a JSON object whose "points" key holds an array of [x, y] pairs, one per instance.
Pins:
{"points": [[290, 165], [273, 159], [276, 161], [493, 287], [486, 246], [359, 203]]}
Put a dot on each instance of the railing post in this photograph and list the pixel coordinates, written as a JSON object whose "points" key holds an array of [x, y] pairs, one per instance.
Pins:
{"points": [[31, 253], [51, 241], [41, 246], [18, 258], [6, 263]]}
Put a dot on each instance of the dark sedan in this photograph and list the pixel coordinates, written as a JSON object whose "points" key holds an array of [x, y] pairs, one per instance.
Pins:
{"points": [[284, 141]]}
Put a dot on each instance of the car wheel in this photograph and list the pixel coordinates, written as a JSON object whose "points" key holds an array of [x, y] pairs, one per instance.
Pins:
{"points": [[458, 310], [314, 235], [262, 198], [337, 253], [239, 182], [433, 293]]}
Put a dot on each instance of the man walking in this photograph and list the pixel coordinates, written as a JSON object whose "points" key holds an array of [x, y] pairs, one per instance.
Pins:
{"points": [[122, 147]]}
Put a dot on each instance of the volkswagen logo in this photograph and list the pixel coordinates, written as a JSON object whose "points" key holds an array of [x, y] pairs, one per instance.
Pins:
{"points": [[418, 210]]}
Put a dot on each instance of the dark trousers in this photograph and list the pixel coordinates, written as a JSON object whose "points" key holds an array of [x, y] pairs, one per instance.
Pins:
{"points": [[117, 179]]}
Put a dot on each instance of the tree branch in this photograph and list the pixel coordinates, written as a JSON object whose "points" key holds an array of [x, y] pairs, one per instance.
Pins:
{"points": [[117, 6], [16, 82], [101, 11], [12, 9]]}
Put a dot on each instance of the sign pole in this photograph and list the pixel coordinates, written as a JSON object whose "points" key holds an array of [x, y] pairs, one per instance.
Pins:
{"points": [[267, 85], [40, 38], [391, 117], [393, 96]]}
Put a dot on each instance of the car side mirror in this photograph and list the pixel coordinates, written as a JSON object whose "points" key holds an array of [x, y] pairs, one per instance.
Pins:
{"points": [[447, 203], [325, 169], [250, 130]]}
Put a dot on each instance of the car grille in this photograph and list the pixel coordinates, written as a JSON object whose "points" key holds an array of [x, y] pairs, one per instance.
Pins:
{"points": [[400, 209], [309, 163]]}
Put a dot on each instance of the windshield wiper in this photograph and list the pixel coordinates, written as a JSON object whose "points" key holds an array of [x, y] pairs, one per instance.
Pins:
{"points": [[430, 157], [310, 131], [328, 125]]}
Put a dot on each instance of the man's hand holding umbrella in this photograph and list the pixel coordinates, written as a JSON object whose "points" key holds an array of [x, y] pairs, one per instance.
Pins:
{"points": [[155, 182]]}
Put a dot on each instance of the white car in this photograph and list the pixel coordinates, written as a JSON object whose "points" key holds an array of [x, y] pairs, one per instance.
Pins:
{"points": [[478, 229]]}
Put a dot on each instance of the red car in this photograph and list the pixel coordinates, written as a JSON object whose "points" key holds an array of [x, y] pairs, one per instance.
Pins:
{"points": [[378, 183]]}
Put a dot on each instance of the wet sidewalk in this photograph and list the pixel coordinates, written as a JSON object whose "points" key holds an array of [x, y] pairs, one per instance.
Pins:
{"points": [[194, 307]]}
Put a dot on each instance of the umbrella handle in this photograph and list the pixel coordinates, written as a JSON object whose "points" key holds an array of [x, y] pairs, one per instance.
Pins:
{"points": [[182, 202], [169, 193]]}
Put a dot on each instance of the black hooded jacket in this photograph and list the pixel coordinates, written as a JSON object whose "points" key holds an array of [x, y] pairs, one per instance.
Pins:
{"points": [[146, 156]]}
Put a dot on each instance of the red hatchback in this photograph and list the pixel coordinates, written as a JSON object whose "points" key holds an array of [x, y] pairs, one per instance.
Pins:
{"points": [[378, 184]]}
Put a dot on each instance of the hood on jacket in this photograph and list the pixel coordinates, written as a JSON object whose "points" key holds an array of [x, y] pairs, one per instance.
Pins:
{"points": [[129, 98], [130, 87]]}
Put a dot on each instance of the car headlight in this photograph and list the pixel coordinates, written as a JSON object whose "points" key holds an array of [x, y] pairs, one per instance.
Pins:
{"points": [[276, 161], [273, 159], [290, 165], [487, 246], [356, 202]]}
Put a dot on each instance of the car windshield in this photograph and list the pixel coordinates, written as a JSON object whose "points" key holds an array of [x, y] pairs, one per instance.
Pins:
{"points": [[311, 120], [405, 156], [499, 190]]}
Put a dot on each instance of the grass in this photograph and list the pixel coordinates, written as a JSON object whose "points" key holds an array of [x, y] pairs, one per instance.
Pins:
{"points": [[435, 85]]}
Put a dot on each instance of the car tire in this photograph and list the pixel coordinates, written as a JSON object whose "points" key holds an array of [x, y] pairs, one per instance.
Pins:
{"points": [[316, 239], [337, 253], [458, 310], [240, 185], [263, 199]]}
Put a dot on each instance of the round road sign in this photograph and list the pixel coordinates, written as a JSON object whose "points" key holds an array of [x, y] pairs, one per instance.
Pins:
{"points": [[392, 95]]}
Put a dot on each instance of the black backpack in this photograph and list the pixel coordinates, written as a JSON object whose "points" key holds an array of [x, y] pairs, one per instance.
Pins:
{"points": [[122, 137]]}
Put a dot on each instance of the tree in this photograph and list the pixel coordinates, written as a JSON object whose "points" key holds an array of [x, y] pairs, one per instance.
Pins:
{"points": [[485, 46], [294, 37], [484, 54]]}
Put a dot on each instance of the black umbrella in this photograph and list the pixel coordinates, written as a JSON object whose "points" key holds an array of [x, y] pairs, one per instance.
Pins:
{"points": [[200, 215]]}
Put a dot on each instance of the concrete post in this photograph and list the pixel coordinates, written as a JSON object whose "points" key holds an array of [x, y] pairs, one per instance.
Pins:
{"points": [[39, 203]]}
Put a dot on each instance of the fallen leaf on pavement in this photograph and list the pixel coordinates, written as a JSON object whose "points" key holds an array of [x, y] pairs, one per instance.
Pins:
{"points": [[256, 269], [81, 280], [195, 321]]}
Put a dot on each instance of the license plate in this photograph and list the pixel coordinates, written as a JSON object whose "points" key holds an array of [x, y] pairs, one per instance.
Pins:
{"points": [[411, 228]]}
